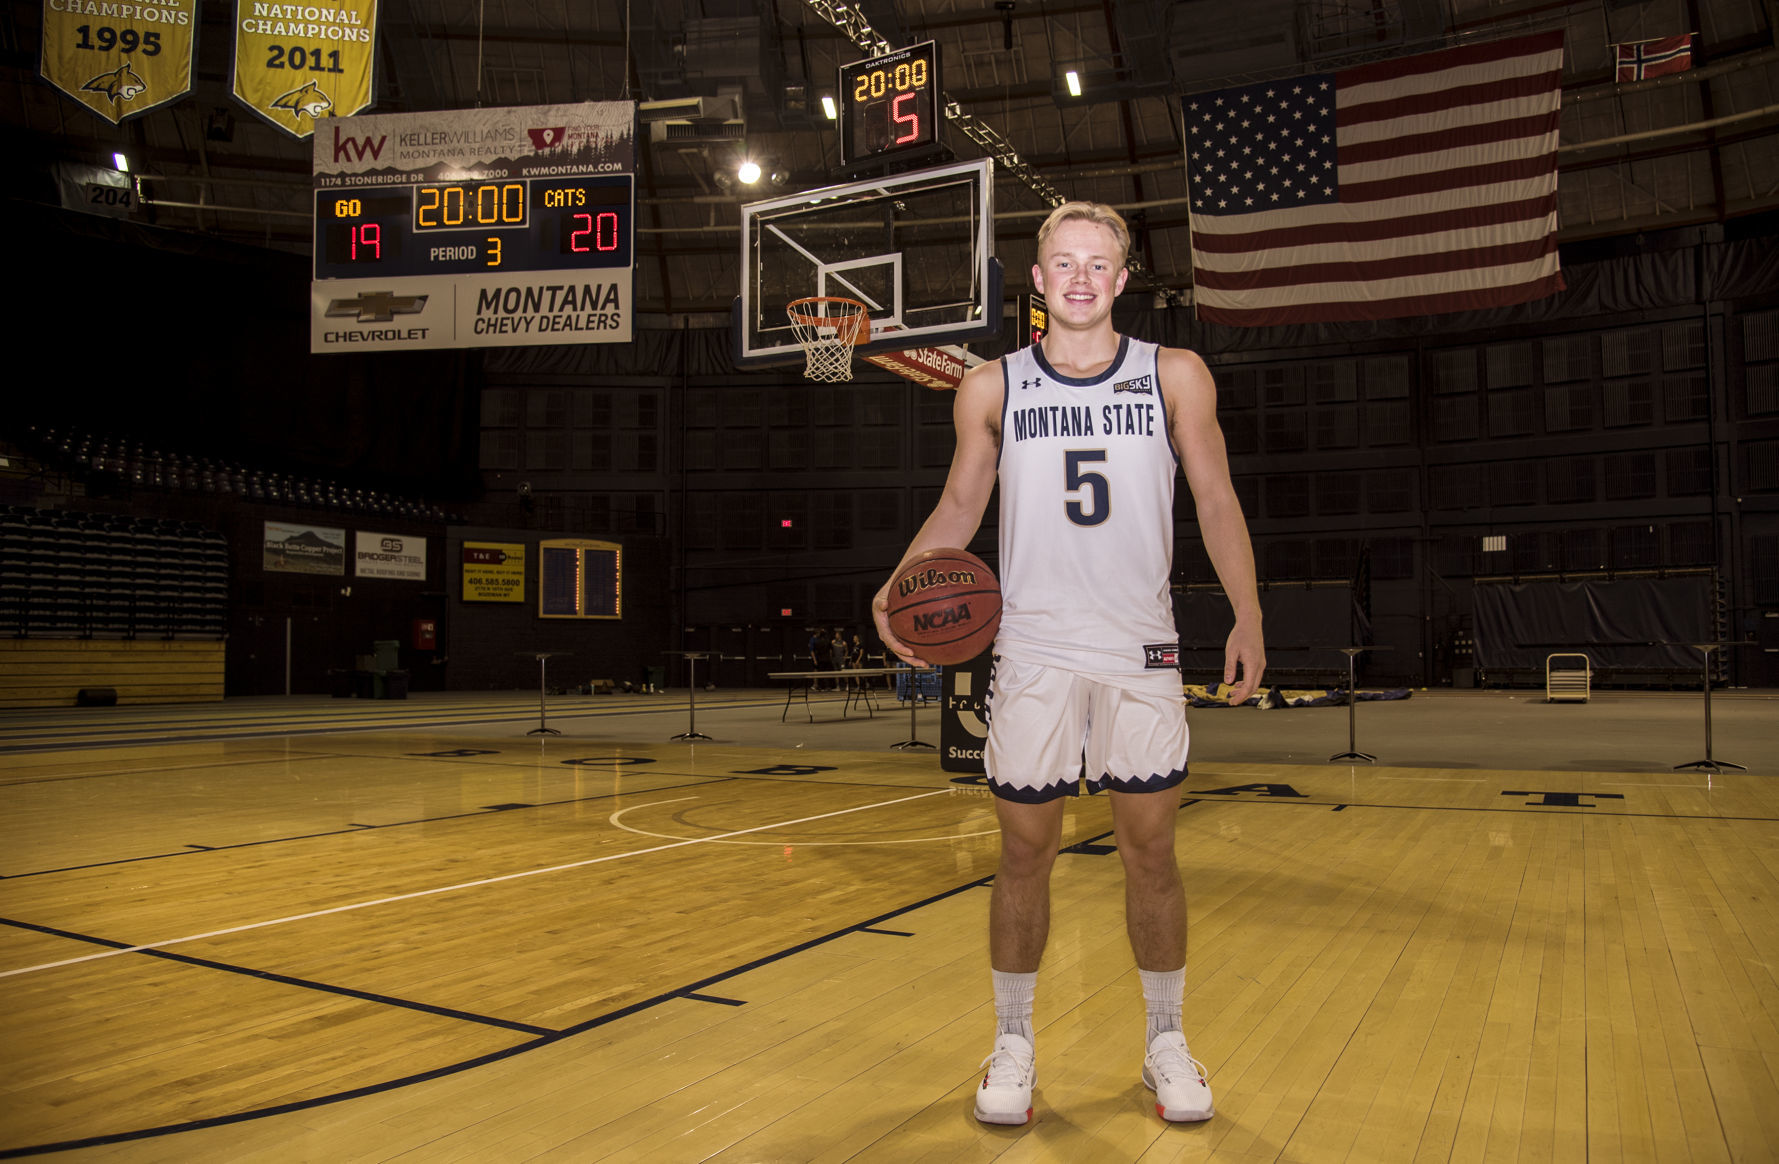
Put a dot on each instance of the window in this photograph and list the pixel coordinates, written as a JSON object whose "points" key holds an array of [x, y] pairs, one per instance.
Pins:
{"points": [[1630, 476]]}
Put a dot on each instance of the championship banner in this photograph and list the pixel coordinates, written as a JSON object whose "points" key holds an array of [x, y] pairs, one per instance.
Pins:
{"points": [[493, 572], [304, 549], [119, 59], [380, 555], [471, 228], [297, 63]]}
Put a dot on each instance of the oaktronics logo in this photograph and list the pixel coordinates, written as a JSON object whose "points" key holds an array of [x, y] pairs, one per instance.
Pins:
{"points": [[1161, 655], [376, 306], [307, 100], [931, 577], [120, 84], [1140, 386]]}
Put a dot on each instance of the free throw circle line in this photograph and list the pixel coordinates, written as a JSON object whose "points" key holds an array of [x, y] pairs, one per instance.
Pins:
{"points": [[462, 885], [614, 820]]}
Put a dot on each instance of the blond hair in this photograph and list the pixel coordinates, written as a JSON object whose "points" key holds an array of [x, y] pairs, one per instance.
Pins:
{"points": [[1097, 213]]}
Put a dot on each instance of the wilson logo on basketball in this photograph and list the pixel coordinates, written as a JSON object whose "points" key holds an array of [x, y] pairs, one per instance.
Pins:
{"points": [[938, 619], [927, 579]]}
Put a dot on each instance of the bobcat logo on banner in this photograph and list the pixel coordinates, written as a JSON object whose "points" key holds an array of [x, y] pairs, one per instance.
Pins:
{"points": [[122, 61], [298, 63]]}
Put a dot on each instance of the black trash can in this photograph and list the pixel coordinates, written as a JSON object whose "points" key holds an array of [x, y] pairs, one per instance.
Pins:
{"points": [[395, 685]]}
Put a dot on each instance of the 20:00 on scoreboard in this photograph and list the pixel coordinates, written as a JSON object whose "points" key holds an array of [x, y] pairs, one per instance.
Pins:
{"points": [[496, 225]]}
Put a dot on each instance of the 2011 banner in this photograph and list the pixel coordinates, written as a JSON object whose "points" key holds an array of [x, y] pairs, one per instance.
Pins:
{"points": [[297, 63]]}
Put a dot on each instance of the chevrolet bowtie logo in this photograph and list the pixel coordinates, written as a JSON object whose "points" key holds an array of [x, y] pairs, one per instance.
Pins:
{"points": [[376, 306]]}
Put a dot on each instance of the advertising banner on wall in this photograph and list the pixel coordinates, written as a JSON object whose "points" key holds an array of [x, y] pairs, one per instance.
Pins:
{"points": [[304, 549], [381, 555], [119, 60], [493, 572]]}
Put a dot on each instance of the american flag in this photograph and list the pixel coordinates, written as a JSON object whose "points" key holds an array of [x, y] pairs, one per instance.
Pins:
{"points": [[1639, 60], [1415, 186]]}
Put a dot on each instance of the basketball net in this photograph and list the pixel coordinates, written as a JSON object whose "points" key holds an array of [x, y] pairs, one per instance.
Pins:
{"points": [[829, 327]]}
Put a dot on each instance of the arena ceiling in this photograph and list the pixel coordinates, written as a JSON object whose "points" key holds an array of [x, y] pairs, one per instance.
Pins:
{"points": [[1696, 147]]}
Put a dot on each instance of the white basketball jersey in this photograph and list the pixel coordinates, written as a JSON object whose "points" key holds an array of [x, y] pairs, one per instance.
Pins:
{"points": [[1087, 516]]}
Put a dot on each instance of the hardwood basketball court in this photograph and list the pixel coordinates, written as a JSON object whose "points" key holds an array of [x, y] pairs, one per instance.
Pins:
{"points": [[313, 930]]}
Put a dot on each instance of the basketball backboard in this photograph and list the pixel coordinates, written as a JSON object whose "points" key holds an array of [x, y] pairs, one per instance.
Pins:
{"points": [[916, 248]]}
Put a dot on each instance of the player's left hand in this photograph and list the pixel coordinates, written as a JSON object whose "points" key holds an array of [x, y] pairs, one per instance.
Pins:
{"points": [[1244, 650]]}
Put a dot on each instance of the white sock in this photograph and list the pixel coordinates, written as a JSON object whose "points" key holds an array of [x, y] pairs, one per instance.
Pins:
{"points": [[1013, 1003], [1164, 993]]}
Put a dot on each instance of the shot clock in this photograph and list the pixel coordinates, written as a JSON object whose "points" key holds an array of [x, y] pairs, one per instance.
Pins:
{"points": [[891, 106], [501, 224]]}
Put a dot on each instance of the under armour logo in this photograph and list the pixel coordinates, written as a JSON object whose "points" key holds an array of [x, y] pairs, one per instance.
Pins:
{"points": [[1024, 384]]}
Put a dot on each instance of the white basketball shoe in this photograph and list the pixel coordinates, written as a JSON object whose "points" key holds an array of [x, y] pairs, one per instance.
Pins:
{"points": [[1005, 1096], [1178, 1080]]}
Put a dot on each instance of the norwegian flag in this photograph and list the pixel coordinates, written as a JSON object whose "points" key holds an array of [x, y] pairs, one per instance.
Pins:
{"points": [[1414, 186], [1639, 60]]}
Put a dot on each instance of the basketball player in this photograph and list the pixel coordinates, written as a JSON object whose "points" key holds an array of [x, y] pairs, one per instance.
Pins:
{"points": [[1086, 432]]}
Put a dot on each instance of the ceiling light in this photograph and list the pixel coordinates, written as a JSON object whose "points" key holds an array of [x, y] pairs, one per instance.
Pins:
{"points": [[749, 172], [832, 113], [1074, 80], [122, 163]]}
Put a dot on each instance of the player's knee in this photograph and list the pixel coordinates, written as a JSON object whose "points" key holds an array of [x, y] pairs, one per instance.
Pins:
{"points": [[1024, 859], [1149, 855]]}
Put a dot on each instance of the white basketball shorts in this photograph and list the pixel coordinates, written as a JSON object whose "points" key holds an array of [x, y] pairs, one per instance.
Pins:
{"points": [[1050, 731]]}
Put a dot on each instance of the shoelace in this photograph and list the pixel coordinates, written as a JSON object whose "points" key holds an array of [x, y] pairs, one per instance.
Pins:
{"points": [[1004, 1061], [1171, 1064]]}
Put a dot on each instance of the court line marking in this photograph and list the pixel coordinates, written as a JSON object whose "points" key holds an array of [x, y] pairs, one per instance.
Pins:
{"points": [[615, 822], [462, 885], [463, 1065], [190, 851], [289, 980], [59, 739]]}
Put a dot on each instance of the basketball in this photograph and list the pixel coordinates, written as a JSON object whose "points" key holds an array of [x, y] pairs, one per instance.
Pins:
{"points": [[946, 605]]}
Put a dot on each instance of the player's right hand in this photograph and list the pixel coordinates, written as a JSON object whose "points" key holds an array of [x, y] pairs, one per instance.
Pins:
{"points": [[880, 615]]}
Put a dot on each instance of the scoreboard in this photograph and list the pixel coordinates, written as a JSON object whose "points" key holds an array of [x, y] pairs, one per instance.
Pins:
{"points": [[474, 228], [532, 224]]}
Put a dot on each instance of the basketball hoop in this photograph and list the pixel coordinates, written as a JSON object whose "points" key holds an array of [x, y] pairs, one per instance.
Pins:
{"points": [[829, 327]]}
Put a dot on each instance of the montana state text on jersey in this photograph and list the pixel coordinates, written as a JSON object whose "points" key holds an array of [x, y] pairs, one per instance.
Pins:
{"points": [[1076, 420]]}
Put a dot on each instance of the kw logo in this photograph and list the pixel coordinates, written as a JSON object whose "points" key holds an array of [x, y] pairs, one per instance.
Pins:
{"points": [[120, 84], [939, 619], [543, 139], [376, 306], [929, 578], [308, 100], [354, 148]]}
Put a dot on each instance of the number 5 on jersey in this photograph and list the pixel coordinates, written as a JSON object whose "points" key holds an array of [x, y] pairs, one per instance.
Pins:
{"points": [[1098, 491]]}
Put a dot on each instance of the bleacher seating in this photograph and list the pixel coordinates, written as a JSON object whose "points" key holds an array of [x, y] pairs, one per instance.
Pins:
{"points": [[65, 574], [101, 458]]}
